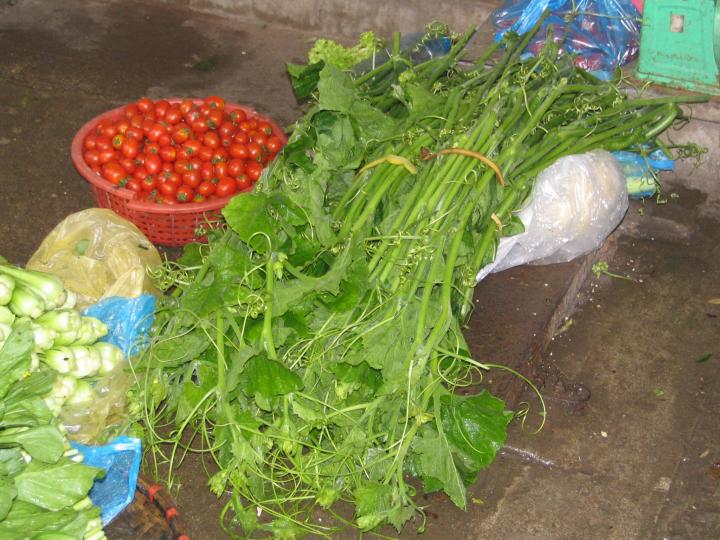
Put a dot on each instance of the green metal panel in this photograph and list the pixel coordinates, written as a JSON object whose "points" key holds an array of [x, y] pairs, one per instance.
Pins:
{"points": [[680, 43]]}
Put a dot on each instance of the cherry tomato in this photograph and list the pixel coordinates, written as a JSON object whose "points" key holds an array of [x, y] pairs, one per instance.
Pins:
{"points": [[173, 115], [215, 118], [134, 133], [184, 194], [108, 129], [122, 125], [153, 163], [128, 164], [220, 154], [144, 105], [211, 139], [162, 106], [89, 141], [171, 178], [186, 105], [207, 170], [182, 166], [165, 140], [205, 153], [168, 153], [191, 179], [226, 129], [247, 126], [253, 169], [181, 133], [255, 151], [156, 131], [167, 166], [243, 182], [130, 110], [221, 169], [235, 167], [239, 151], [237, 116], [117, 141], [192, 115], [103, 142], [225, 187], [133, 185], [200, 126], [265, 127], [137, 120], [167, 188], [152, 148], [92, 157], [107, 155], [204, 109], [215, 102], [206, 188], [241, 137], [149, 182], [274, 144], [130, 147], [113, 172], [198, 198]]}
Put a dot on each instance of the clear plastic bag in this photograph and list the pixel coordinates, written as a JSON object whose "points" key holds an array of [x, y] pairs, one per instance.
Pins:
{"points": [[98, 254], [602, 34], [574, 205], [128, 320], [106, 416]]}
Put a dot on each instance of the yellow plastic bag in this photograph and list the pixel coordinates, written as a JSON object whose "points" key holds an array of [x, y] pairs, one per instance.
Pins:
{"points": [[98, 254]]}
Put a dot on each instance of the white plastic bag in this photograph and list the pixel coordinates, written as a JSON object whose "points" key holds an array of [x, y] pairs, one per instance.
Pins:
{"points": [[575, 204]]}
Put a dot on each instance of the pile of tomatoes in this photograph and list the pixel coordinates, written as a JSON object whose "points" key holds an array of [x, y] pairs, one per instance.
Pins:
{"points": [[182, 151]]}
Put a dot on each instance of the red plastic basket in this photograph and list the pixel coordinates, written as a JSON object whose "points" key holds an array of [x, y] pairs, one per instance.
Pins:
{"points": [[167, 225]]}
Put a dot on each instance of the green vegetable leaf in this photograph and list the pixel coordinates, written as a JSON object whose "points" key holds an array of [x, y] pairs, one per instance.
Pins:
{"points": [[268, 378], [332, 52], [29, 521], [7, 495], [372, 502], [438, 468], [248, 214], [44, 443], [337, 91], [178, 350], [304, 79], [57, 486], [476, 427], [15, 356]]}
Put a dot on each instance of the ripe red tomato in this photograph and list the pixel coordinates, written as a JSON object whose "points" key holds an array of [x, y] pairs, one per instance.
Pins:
{"points": [[89, 141], [191, 147], [167, 188], [173, 115], [144, 105], [133, 185], [171, 178], [258, 137], [152, 148], [235, 167], [239, 151], [200, 126], [237, 116], [191, 179], [205, 153], [92, 157], [215, 118], [255, 151], [181, 133], [130, 110], [107, 155], [162, 106], [243, 182], [211, 139], [103, 142], [221, 169], [241, 137], [206, 188], [225, 187], [274, 144], [219, 154], [182, 166], [264, 127], [134, 133], [226, 130], [184, 193], [149, 182], [130, 147], [186, 105], [156, 131], [128, 164], [113, 172], [215, 102], [153, 163], [168, 153], [207, 170], [253, 169]]}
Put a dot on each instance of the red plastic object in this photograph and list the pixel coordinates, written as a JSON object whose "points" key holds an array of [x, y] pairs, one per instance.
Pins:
{"points": [[167, 225]]}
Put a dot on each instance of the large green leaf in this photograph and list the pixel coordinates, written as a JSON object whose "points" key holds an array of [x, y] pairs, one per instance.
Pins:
{"points": [[15, 356], [7, 495], [45, 443], [178, 350], [268, 378], [57, 486], [337, 90], [437, 467], [27, 521], [475, 426], [249, 215]]}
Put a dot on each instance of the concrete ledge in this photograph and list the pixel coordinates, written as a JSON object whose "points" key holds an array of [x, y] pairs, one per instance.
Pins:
{"points": [[347, 18]]}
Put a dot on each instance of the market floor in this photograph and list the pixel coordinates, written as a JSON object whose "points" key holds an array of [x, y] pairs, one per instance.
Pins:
{"points": [[631, 443]]}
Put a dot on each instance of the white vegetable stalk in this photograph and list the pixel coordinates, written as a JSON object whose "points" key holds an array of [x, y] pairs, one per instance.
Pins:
{"points": [[7, 285], [91, 329], [26, 303], [62, 389], [110, 356], [61, 359], [47, 286], [43, 336], [6, 316], [84, 394], [61, 320], [87, 361], [70, 301]]}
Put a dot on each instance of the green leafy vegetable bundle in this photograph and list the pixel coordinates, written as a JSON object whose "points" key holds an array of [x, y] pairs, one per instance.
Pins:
{"points": [[313, 347]]}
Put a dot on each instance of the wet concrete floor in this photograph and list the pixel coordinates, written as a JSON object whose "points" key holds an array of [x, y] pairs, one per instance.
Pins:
{"points": [[631, 444]]}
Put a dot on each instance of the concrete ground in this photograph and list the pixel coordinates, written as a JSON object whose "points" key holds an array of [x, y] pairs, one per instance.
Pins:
{"points": [[631, 445]]}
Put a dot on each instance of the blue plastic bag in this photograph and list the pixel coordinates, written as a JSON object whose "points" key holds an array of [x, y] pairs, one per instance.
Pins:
{"points": [[121, 461], [601, 34], [641, 171], [128, 320]]}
